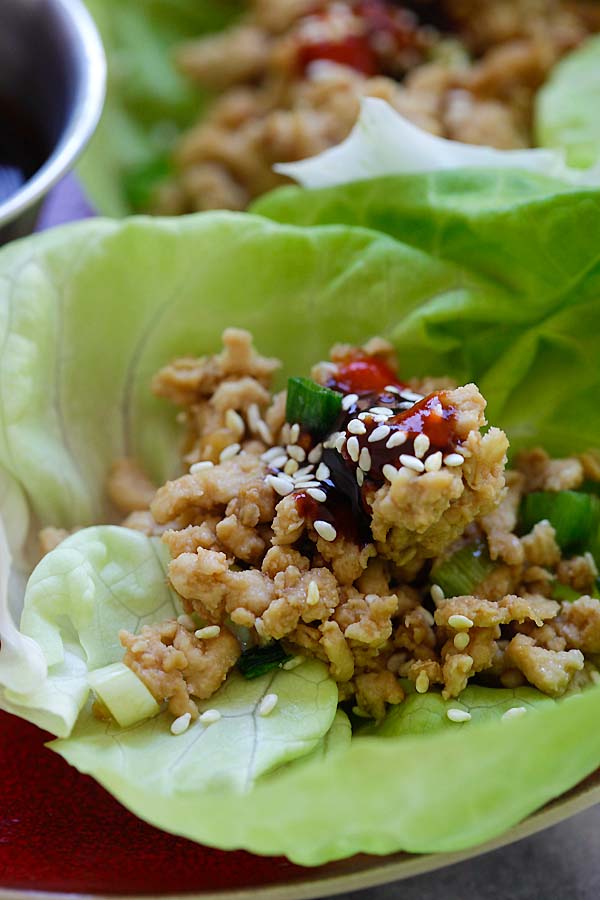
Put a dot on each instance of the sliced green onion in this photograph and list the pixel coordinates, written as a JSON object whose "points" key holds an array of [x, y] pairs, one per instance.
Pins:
{"points": [[574, 516], [313, 406], [257, 660], [463, 571], [126, 697]]}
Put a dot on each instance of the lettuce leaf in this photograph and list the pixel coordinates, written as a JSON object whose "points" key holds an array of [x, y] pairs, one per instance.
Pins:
{"points": [[566, 113], [384, 142], [503, 288], [147, 101]]}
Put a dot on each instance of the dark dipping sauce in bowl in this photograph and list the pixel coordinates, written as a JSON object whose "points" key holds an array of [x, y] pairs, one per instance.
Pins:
{"points": [[22, 149]]}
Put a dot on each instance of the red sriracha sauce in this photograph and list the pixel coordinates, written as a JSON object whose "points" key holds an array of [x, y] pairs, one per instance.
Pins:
{"points": [[363, 373]]}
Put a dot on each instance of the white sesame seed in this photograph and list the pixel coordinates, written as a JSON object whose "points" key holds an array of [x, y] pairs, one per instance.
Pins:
{"points": [[427, 616], [396, 439], [209, 717], [284, 434], [272, 453], [453, 459], [392, 389], [381, 411], [264, 432], [339, 442], [313, 595], [291, 467], [186, 622], [267, 704], [461, 640], [234, 422], [317, 494], [253, 416], [315, 454], [437, 594], [410, 395], [459, 622], [259, 627], [229, 452], [515, 712], [348, 401], [458, 715], [353, 448], [304, 483], [279, 461], [433, 463], [293, 663], [281, 485], [325, 530], [389, 472], [363, 416], [355, 426], [411, 462], [181, 724], [364, 460], [421, 445], [296, 452], [379, 434], [200, 466], [323, 472], [406, 404], [294, 433], [360, 477], [303, 472], [209, 631], [422, 683]]}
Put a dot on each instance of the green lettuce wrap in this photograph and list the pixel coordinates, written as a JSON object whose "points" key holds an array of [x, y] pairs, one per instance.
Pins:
{"points": [[503, 289]]}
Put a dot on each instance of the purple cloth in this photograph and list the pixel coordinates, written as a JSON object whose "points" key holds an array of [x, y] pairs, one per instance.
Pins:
{"points": [[65, 203]]}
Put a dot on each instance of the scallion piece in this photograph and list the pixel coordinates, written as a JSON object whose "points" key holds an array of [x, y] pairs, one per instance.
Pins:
{"points": [[125, 696], [575, 516], [255, 661], [313, 406], [463, 571]]}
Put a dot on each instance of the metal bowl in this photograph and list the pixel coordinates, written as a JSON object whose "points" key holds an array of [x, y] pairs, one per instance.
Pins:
{"points": [[53, 75]]}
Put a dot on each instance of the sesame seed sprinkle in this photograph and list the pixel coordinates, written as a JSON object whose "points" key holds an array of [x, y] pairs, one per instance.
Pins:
{"points": [[433, 463], [460, 623], [397, 438], [363, 416], [209, 631], [294, 433], [427, 616], [453, 459], [411, 395], [200, 466], [303, 472], [181, 723], [313, 595], [458, 715], [186, 622], [515, 712], [325, 530], [353, 448], [339, 443], [421, 445], [461, 640], [315, 454], [229, 452], [209, 717], [422, 683], [355, 426], [279, 461], [392, 389], [317, 494], [234, 422], [259, 627], [267, 704], [389, 472], [296, 452], [264, 432], [304, 483], [281, 485], [272, 453], [364, 460], [323, 472], [437, 594], [411, 462], [293, 663], [291, 467], [253, 416], [379, 434], [381, 411], [349, 401], [360, 477]]}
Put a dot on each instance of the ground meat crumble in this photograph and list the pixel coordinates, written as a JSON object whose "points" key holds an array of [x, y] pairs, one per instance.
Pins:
{"points": [[327, 546]]}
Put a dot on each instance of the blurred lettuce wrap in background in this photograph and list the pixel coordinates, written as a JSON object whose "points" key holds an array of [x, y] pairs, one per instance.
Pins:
{"points": [[486, 276]]}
